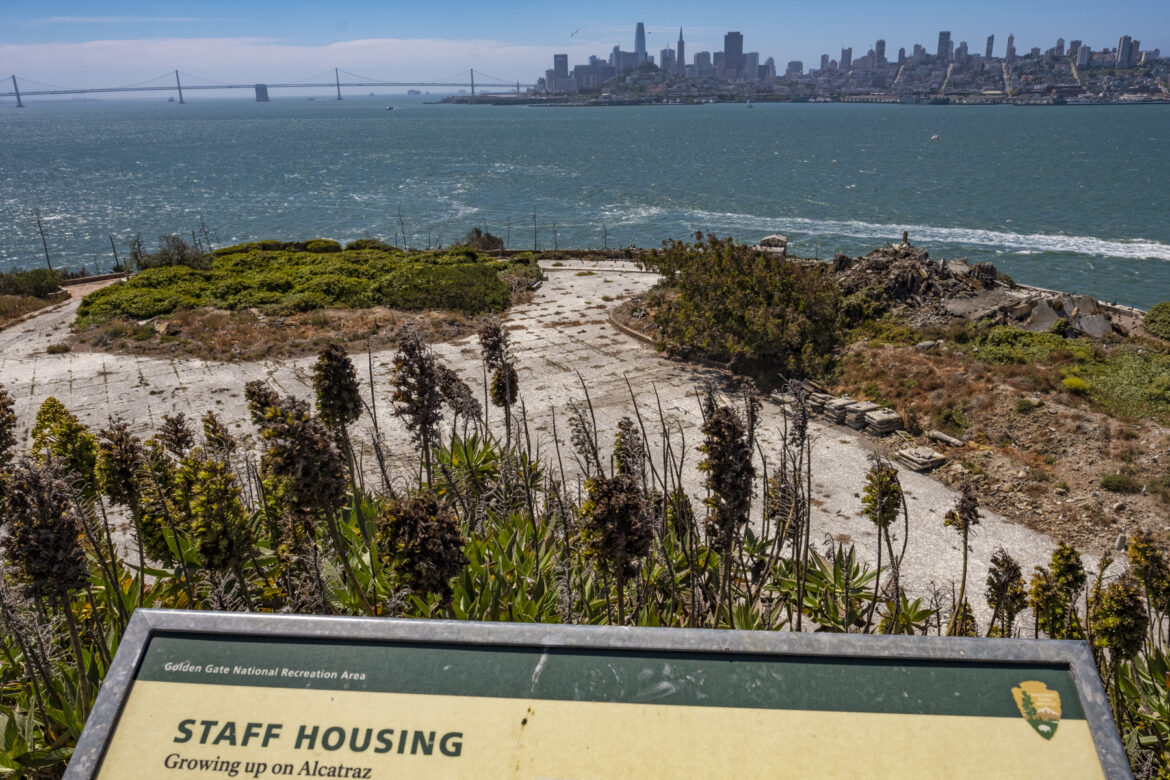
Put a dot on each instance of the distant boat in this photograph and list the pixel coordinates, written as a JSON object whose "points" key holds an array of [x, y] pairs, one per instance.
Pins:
{"points": [[389, 108], [749, 102], [934, 138]]}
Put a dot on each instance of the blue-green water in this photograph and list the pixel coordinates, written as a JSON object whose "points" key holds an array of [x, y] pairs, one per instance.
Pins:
{"points": [[1072, 198]]}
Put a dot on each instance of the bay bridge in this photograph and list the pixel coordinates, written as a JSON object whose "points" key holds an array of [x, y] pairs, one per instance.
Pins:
{"points": [[261, 89]]}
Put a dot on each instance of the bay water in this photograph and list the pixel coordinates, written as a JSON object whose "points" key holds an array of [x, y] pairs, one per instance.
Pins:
{"points": [[1072, 198]]}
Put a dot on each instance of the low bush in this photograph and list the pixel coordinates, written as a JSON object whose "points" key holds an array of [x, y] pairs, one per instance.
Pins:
{"points": [[284, 278], [1075, 385], [1157, 320], [1025, 405], [729, 302], [1119, 483], [322, 246], [37, 283]]}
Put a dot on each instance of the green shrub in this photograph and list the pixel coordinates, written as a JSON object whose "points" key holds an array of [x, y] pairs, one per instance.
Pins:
{"points": [[37, 283], [58, 349], [1025, 405], [1075, 385], [322, 246], [1157, 320], [298, 277], [1119, 483], [370, 243], [301, 302], [470, 288], [730, 303]]}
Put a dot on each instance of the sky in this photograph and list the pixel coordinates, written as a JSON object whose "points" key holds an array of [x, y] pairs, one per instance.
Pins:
{"points": [[82, 43]]}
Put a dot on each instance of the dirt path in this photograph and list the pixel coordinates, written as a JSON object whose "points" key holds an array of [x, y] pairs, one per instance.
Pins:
{"points": [[562, 331]]}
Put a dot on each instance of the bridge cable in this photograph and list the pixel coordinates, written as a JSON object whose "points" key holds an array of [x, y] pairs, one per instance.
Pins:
{"points": [[314, 76], [202, 78], [169, 75], [23, 80], [497, 78], [363, 78]]}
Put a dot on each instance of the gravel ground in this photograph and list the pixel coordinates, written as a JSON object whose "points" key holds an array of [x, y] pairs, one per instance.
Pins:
{"points": [[562, 331]]}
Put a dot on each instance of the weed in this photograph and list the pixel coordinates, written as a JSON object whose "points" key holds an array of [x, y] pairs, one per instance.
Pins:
{"points": [[1025, 405], [1119, 483]]}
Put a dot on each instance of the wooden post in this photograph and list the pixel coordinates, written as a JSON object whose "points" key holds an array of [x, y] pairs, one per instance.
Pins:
{"points": [[44, 243], [16, 89], [113, 247], [337, 81], [180, 86], [473, 82]]}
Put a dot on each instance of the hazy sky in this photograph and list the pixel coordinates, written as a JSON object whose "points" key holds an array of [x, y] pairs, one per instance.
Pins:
{"points": [[86, 43]]}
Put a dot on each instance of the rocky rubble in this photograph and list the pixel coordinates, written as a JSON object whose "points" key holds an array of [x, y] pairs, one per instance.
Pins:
{"points": [[903, 276]]}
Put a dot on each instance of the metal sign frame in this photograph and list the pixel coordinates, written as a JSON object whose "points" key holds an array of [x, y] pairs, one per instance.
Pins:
{"points": [[1073, 656]]}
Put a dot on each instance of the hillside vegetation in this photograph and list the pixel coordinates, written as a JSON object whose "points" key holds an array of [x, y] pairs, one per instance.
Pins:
{"points": [[281, 279], [480, 525]]}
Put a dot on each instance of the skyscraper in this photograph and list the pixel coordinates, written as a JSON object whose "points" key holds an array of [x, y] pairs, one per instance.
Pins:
{"points": [[640, 42], [846, 59], [1126, 56], [681, 53], [732, 54], [944, 45], [824, 62], [879, 50], [751, 66], [561, 66], [990, 46], [1010, 54], [666, 60]]}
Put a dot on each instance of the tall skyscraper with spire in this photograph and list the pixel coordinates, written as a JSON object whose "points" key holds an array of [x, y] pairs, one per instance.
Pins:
{"points": [[640, 42], [681, 55]]}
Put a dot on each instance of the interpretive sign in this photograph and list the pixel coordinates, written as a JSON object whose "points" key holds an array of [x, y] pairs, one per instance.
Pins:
{"points": [[209, 695]]}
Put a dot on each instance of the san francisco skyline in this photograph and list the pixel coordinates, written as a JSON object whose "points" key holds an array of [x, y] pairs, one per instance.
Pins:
{"points": [[68, 44]]}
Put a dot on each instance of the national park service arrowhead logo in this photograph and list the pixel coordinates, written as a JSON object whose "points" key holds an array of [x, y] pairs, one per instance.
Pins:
{"points": [[1039, 706]]}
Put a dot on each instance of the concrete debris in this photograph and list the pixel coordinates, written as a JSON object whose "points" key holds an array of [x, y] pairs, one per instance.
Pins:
{"points": [[939, 436], [883, 422], [855, 414], [858, 415], [919, 458], [834, 410], [930, 292]]}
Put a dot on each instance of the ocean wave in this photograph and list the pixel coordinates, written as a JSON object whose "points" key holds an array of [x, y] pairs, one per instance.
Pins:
{"points": [[1017, 243]]}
